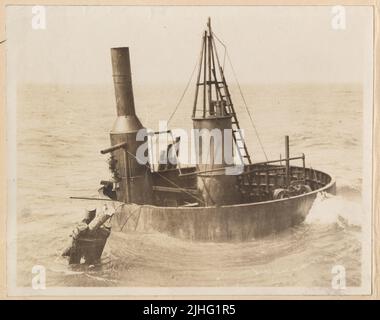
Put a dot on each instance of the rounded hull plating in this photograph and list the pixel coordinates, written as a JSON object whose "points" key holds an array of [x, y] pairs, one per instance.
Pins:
{"points": [[239, 222]]}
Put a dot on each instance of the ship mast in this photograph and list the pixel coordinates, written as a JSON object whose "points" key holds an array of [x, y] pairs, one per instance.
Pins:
{"points": [[216, 98]]}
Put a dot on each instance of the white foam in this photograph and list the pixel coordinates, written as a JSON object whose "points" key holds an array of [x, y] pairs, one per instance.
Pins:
{"points": [[330, 209]]}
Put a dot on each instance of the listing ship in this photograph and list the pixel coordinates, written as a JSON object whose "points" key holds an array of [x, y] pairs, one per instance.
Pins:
{"points": [[212, 201]]}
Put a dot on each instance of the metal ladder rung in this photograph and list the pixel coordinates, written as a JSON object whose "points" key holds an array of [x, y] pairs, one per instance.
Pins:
{"points": [[235, 122]]}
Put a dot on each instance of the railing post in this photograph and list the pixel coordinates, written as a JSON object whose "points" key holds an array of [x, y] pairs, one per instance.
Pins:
{"points": [[304, 167], [287, 168]]}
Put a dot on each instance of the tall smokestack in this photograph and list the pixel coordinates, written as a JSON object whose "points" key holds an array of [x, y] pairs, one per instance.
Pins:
{"points": [[122, 79], [133, 184]]}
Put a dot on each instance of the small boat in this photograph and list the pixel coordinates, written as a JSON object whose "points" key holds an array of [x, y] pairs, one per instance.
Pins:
{"points": [[212, 200]]}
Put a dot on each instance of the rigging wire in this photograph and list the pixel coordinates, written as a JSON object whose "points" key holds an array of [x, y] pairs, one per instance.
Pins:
{"points": [[225, 49], [167, 179], [184, 92], [246, 107], [130, 215], [242, 96]]}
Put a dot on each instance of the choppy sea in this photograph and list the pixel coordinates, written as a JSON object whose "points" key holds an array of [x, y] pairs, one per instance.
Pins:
{"points": [[61, 129]]}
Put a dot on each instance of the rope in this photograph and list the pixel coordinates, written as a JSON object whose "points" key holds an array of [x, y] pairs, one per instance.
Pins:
{"points": [[130, 215], [224, 46], [168, 180], [242, 96], [246, 107], [184, 92]]}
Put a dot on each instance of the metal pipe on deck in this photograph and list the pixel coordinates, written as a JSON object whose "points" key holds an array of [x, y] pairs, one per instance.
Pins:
{"points": [[113, 148], [287, 166], [303, 166]]}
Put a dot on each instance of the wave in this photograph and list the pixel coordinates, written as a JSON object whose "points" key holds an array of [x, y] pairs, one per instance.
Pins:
{"points": [[349, 191], [330, 209]]}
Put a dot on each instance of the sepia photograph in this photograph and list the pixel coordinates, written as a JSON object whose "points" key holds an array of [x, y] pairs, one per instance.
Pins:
{"points": [[189, 150]]}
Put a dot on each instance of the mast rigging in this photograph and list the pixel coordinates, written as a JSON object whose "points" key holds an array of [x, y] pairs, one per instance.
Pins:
{"points": [[220, 104]]}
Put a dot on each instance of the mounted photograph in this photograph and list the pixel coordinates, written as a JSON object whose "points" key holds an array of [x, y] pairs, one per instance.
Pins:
{"points": [[189, 150]]}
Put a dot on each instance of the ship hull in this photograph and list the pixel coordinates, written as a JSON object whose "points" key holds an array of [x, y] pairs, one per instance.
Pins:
{"points": [[239, 222]]}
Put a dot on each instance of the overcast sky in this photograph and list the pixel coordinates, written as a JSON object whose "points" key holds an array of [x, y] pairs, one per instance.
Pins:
{"points": [[266, 44]]}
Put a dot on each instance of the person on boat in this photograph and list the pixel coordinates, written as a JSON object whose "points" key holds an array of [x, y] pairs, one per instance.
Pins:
{"points": [[89, 237], [79, 231]]}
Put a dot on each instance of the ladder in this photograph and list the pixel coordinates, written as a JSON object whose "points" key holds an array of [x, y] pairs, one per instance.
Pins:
{"points": [[236, 130]]}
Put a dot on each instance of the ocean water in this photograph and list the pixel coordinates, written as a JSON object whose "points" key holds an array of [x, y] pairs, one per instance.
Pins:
{"points": [[61, 129]]}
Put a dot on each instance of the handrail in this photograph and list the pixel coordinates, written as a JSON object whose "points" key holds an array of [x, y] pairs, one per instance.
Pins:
{"points": [[280, 160], [248, 172]]}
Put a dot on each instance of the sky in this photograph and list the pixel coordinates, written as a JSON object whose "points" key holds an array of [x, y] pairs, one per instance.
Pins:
{"points": [[267, 44]]}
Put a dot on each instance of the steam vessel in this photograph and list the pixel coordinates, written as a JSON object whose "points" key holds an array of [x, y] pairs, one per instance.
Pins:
{"points": [[212, 201]]}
